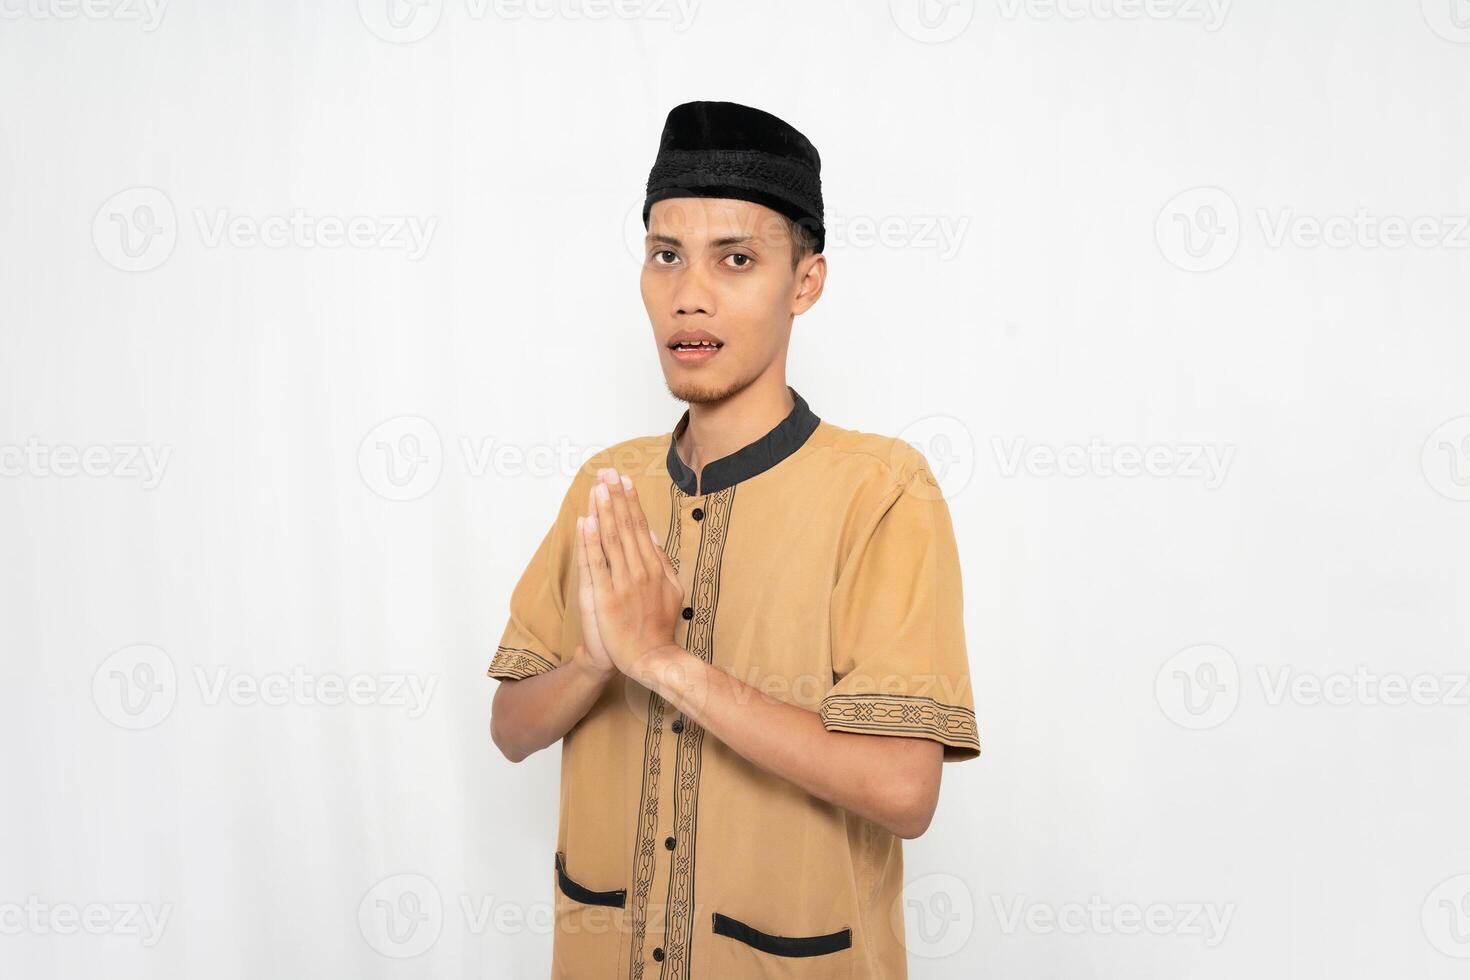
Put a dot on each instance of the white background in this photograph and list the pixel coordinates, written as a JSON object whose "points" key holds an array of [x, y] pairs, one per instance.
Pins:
{"points": [[1071, 231]]}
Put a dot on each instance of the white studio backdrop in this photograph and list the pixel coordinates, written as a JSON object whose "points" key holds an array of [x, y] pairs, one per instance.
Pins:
{"points": [[308, 313]]}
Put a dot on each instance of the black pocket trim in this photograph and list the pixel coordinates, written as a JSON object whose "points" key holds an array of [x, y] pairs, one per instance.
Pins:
{"points": [[782, 945], [586, 896]]}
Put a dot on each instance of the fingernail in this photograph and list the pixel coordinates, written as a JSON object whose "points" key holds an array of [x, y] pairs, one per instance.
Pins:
{"points": [[592, 524], [609, 475], [627, 482], [602, 491], [579, 522]]}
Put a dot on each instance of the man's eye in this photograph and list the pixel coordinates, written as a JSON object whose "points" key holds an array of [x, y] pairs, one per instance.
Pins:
{"points": [[659, 255], [743, 259]]}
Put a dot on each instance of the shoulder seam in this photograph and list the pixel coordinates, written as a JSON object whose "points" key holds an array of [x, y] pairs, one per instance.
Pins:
{"points": [[900, 465]]}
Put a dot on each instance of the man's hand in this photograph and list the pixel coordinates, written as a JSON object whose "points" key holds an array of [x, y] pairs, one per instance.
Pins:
{"points": [[636, 594], [591, 653]]}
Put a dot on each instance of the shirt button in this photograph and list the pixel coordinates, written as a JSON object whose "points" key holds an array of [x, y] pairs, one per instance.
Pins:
{"points": [[678, 725], [658, 953], [699, 513], [688, 613], [669, 843]]}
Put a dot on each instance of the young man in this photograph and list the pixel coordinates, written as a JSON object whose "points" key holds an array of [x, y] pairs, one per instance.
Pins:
{"points": [[747, 632]]}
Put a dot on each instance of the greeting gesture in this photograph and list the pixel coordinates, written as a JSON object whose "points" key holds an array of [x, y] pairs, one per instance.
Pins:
{"points": [[635, 591]]}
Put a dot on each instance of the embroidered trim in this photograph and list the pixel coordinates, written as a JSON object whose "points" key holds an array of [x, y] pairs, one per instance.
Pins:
{"points": [[517, 662], [782, 945], [645, 843], [890, 714], [699, 639]]}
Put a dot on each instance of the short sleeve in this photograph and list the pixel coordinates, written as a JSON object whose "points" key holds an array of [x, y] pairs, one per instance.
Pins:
{"points": [[898, 633], [531, 642]]}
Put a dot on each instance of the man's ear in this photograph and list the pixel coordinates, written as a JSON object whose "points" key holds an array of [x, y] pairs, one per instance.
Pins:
{"points": [[811, 278]]}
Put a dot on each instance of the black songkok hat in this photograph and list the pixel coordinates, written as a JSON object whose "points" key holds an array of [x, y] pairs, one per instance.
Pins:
{"points": [[724, 149]]}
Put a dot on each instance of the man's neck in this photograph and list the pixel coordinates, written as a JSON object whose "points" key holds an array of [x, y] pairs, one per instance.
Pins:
{"points": [[717, 429]]}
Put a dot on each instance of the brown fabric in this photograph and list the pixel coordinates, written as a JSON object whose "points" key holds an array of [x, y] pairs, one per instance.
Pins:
{"points": [[827, 577]]}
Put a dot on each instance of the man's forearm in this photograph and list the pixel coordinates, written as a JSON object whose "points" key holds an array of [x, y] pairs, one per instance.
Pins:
{"points": [[889, 780], [529, 714]]}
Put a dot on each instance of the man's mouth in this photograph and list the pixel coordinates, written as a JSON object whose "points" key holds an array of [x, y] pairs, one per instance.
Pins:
{"points": [[694, 351]]}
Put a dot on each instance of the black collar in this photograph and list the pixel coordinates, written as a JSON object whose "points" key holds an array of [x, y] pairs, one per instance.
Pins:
{"points": [[757, 457]]}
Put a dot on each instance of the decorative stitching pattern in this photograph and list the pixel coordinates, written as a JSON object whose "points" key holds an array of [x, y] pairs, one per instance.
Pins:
{"points": [[699, 640], [887, 714], [517, 663], [645, 840], [753, 169]]}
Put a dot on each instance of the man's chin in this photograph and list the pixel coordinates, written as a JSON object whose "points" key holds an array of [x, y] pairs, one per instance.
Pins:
{"points": [[702, 392]]}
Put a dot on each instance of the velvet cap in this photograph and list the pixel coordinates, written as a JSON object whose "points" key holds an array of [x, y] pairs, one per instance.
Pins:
{"points": [[724, 149]]}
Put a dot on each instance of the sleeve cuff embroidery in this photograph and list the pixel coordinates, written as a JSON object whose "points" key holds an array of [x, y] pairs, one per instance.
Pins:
{"points": [[903, 714], [515, 663]]}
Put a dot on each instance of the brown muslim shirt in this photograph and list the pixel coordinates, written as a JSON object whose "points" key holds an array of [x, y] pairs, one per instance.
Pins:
{"points": [[819, 566]]}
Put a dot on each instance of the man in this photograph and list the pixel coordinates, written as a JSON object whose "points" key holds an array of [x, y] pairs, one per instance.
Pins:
{"points": [[747, 632]]}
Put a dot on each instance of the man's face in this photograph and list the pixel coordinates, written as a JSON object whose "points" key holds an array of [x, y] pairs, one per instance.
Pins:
{"points": [[719, 270]]}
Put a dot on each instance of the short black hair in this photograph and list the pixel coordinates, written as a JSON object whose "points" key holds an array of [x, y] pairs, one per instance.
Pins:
{"points": [[803, 240]]}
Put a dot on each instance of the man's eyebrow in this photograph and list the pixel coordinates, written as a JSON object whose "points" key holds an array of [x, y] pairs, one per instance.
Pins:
{"points": [[717, 243]]}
